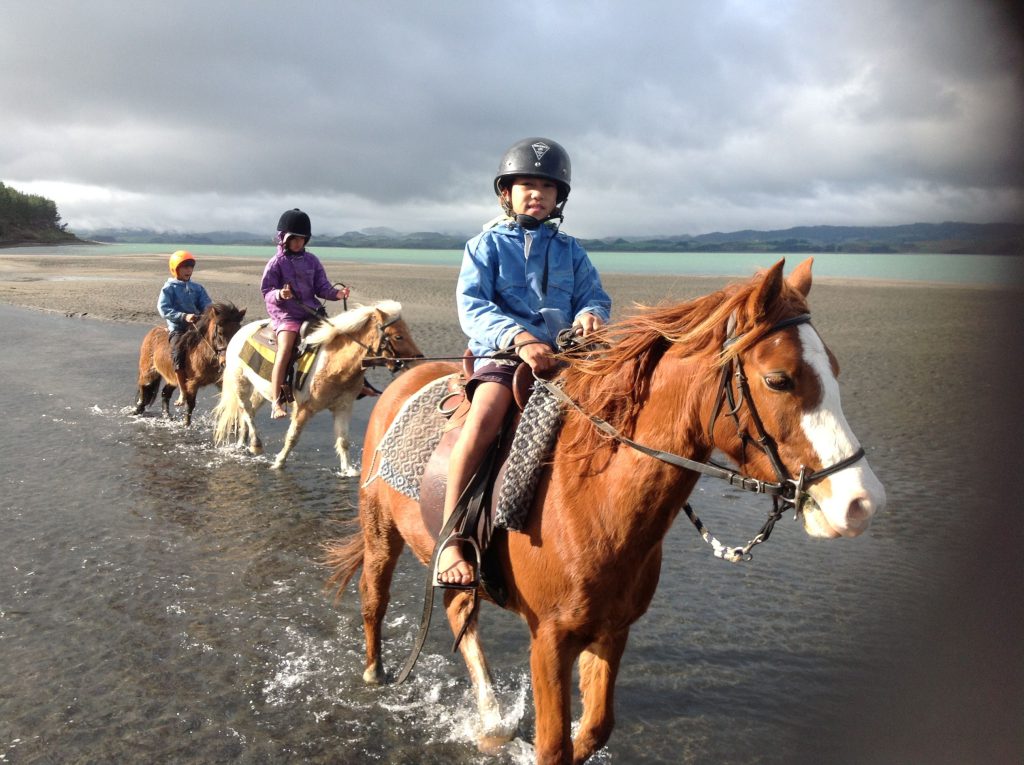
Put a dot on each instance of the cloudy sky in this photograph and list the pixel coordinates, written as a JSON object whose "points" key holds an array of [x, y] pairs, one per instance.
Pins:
{"points": [[680, 117]]}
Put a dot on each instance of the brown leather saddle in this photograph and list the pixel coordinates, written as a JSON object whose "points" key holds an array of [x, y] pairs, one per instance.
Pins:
{"points": [[473, 519], [478, 528]]}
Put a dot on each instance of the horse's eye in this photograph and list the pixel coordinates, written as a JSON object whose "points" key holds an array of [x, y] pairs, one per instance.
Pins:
{"points": [[778, 381]]}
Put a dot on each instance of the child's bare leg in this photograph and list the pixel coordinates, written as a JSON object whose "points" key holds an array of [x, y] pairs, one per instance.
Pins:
{"points": [[285, 345], [490, 403]]}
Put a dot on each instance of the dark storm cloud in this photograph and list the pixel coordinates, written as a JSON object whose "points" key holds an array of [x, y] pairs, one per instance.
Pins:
{"points": [[679, 118]]}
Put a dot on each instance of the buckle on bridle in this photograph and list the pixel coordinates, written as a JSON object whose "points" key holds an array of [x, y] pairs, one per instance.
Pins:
{"points": [[795, 493]]}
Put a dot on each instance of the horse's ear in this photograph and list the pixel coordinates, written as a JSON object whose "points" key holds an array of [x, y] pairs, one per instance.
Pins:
{"points": [[241, 314], [800, 279], [767, 292]]}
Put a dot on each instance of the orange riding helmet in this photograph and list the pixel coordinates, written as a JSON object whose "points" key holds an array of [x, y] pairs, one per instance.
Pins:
{"points": [[181, 256]]}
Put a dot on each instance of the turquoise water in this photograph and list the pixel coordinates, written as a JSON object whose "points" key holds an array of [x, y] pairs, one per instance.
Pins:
{"points": [[985, 270]]}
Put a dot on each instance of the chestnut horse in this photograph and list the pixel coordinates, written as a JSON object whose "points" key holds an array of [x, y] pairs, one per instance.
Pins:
{"points": [[588, 562], [204, 344], [369, 335]]}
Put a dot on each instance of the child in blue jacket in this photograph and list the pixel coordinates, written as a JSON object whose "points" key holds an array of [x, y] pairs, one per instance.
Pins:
{"points": [[522, 281], [181, 302]]}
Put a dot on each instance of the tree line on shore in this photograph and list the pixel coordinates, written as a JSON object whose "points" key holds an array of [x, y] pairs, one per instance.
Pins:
{"points": [[30, 219]]}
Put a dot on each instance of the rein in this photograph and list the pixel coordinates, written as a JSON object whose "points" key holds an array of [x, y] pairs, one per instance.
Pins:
{"points": [[209, 345], [785, 492]]}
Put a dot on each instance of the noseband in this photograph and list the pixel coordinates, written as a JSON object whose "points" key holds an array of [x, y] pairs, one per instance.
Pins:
{"points": [[785, 491]]}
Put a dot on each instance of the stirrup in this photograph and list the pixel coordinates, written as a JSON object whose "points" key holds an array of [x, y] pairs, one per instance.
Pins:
{"points": [[471, 585]]}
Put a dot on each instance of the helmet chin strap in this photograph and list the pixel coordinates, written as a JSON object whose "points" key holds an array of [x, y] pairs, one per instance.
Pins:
{"points": [[531, 223]]}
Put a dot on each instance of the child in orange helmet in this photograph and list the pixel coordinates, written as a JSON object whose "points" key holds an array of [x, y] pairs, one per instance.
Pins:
{"points": [[181, 302]]}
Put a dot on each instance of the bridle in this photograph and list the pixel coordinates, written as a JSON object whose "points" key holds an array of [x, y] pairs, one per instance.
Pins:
{"points": [[785, 492], [221, 352], [787, 489], [383, 351]]}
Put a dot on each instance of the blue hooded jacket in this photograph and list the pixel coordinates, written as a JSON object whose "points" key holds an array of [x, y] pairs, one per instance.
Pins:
{"points": [[178, 298], [501, 288]]}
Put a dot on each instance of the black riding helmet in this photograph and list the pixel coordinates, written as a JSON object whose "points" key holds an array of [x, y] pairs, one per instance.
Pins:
{"points": [[295, 222], [540, 157]]}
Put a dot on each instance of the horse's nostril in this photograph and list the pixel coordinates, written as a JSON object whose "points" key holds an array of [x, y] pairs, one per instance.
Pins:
{"points": [[859, 510]]}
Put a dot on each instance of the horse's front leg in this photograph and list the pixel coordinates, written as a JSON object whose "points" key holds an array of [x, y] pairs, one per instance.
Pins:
{"points": [[494, 731], [342, 415], [599, 666], [190, 393], [551, 658], [298, 422]]}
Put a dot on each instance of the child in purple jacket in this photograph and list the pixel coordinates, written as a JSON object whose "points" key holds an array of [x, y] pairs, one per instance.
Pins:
{"points": [[292, 281]]}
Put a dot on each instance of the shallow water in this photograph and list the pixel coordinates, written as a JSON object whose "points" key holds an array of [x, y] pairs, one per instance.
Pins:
{"points": [[162, 600]]}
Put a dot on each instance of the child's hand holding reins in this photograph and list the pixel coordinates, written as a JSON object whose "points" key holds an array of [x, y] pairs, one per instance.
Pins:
{"points": [[586, 323], [535, 353]]}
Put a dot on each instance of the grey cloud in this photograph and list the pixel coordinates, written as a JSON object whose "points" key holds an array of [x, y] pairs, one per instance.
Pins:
{"points": [[679, 118]]}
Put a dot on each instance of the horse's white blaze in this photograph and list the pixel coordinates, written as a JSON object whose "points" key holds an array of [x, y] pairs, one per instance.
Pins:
{"points": [[845, 500]]}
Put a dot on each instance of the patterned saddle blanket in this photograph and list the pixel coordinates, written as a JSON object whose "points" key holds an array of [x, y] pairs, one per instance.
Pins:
{"points": [[406, 448], [260, 350]]}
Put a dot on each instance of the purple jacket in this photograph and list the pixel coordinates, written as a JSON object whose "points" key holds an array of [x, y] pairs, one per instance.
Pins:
{"points": [[305, 273]]}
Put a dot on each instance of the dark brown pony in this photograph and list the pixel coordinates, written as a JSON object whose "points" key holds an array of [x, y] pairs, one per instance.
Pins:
{"points": [[204, 359], [588, 563]]}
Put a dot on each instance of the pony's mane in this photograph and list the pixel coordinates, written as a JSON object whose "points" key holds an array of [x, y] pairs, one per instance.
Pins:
{"points": [[352, 320], [613, 382], [226, 310]]}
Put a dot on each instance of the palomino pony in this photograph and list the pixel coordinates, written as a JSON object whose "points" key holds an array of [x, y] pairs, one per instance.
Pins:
{"points": [[365, 336], [204, 361], [588, 562]]}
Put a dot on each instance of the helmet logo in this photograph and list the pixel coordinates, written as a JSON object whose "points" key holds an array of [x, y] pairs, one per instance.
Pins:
{"points": [[539, 149]]}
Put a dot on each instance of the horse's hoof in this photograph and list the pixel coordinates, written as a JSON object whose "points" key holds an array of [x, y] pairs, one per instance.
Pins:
{"points": [[492, 742], [374, 675]]}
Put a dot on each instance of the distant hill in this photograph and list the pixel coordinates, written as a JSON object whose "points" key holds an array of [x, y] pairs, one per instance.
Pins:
{"points": [[950, 237], [963, 238], [30, 219]]}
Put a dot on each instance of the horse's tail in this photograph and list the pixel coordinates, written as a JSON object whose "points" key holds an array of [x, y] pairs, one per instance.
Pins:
{"points": [[344, 557], [229, 408], [147, 393]]}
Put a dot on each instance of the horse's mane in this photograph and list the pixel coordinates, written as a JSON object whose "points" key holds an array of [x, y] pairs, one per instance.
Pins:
{"points": [[613, 383], [352, 320], [225, 310]]}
